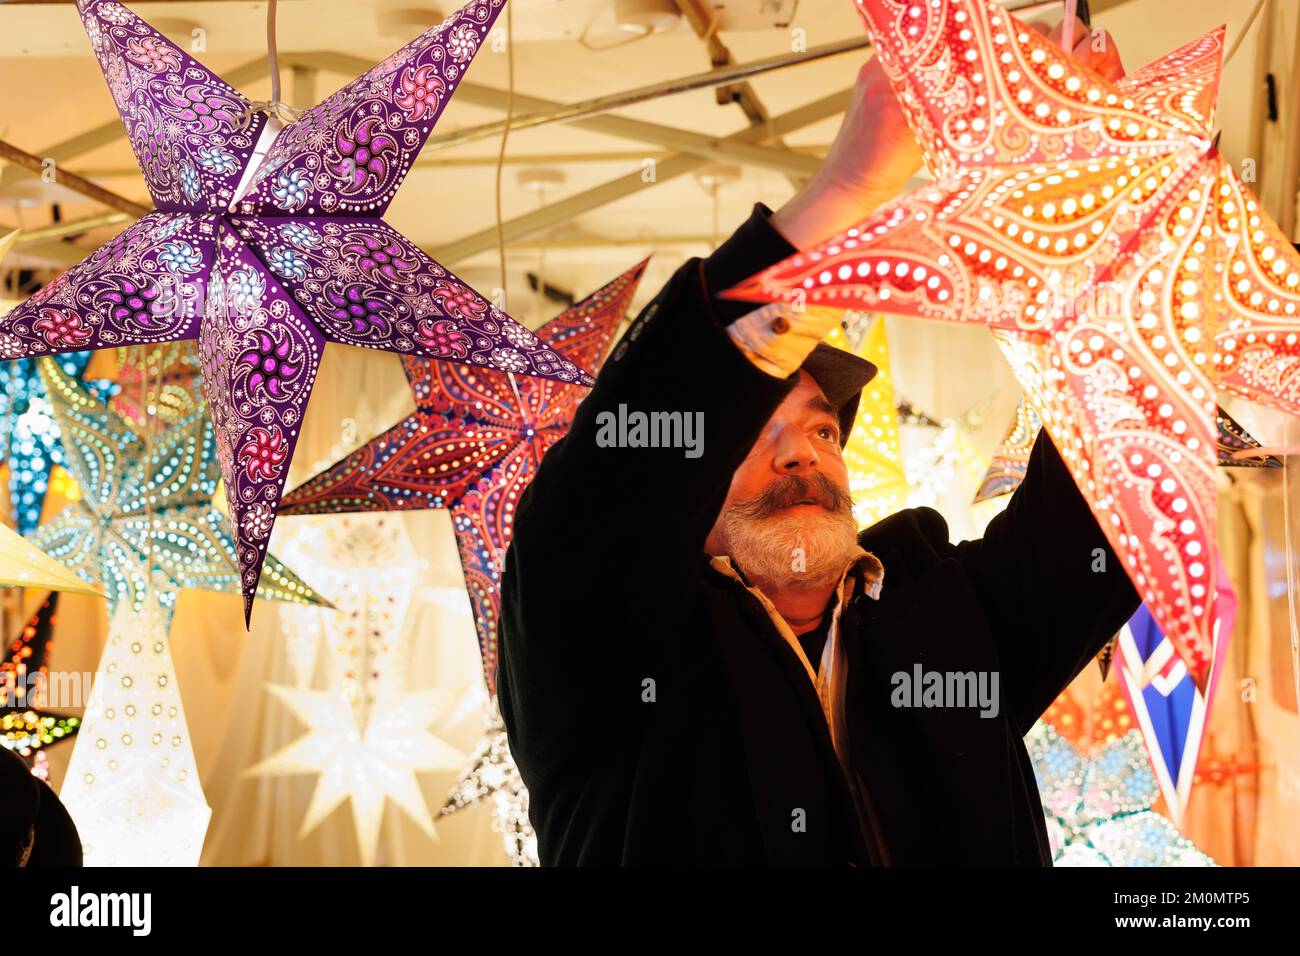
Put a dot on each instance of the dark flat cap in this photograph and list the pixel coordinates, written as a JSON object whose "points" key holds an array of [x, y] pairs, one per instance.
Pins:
{"points": [[841, 376]]}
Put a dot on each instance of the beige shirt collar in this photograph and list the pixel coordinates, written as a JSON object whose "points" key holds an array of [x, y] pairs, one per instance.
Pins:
{"points": [[864, 571]]}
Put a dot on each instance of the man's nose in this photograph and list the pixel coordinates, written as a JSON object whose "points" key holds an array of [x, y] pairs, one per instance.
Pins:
{"points": [[795, 454]]}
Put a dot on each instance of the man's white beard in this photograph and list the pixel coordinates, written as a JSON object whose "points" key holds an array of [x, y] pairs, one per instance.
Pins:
{"points": [[768, 549]]}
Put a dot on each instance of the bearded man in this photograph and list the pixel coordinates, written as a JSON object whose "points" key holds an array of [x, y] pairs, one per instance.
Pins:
{"points": [[702, 658]]}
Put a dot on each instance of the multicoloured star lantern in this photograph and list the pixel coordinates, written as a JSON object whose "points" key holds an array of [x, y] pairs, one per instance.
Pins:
{"points": [[1095, 226], [283, 256], [1098, 808], [1237, 447], [472, 445], [1172, 712], [145, 503], [26, 726], [1011, 460]]}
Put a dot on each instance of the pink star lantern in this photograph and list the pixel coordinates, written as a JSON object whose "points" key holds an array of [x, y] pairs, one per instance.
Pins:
{"points": [[1125, 269], [284, 254]]}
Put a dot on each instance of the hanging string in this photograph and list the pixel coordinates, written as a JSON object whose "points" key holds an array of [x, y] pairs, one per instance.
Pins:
{"points": [[541, 256], [272, 107], [1245, 28], [501, 161], [505, 138]]}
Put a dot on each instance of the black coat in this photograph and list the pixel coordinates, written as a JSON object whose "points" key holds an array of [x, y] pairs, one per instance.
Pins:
{"points": [[656, 714]]}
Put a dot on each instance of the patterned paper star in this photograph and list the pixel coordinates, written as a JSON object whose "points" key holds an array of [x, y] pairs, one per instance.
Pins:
{"points": [[366, 765], [493, 775], [26, 726], [1126, 269], [1173, 714], [265, 263], [1098, 808], [145, 500], [472, 445], [1007, 468], [1167, 707], [132, 785]]}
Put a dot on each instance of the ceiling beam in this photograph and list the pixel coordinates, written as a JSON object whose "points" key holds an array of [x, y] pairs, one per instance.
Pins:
{"points": [[112, 131], [50, 172], [676, 165], [640, 94], [712, 148]]}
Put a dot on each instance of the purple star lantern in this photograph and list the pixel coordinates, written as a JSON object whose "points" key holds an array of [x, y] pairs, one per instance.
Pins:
{"points": [[284, 254]]}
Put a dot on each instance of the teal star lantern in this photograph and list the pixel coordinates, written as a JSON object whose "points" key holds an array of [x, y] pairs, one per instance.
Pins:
{"points": [[1098, 807], [146, 516]]}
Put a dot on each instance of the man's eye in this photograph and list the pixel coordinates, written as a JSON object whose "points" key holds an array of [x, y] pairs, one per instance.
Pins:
{"points": [[828, 433]]}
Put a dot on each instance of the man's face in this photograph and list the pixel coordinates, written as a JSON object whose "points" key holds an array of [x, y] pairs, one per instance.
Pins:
{"points": [[788, 518]]}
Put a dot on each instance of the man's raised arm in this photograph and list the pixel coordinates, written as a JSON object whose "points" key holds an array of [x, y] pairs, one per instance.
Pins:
{"points": [[609, 536], [1052, 588]]}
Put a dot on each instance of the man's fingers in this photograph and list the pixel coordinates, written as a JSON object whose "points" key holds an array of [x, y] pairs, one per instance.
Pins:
{"points": [[1100, 52], [1096, 50]]}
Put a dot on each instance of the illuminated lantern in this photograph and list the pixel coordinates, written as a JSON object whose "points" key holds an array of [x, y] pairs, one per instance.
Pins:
{"points": [[1126, 271], [473, 445]]}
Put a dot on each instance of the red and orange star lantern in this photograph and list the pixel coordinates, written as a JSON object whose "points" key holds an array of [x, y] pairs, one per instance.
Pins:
{"points": [[472, 446], [1125, 270]]}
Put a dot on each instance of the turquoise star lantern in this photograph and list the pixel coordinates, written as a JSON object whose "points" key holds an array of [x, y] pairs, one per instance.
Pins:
{"points": [[146, 517]]}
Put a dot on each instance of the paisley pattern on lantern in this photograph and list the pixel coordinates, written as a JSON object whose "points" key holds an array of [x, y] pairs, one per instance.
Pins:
{"points": [[127, 292], [362, 283], [473, 445], [1125, 270], [980, 88], [338, 273], [176, 112], [259, 368]]}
